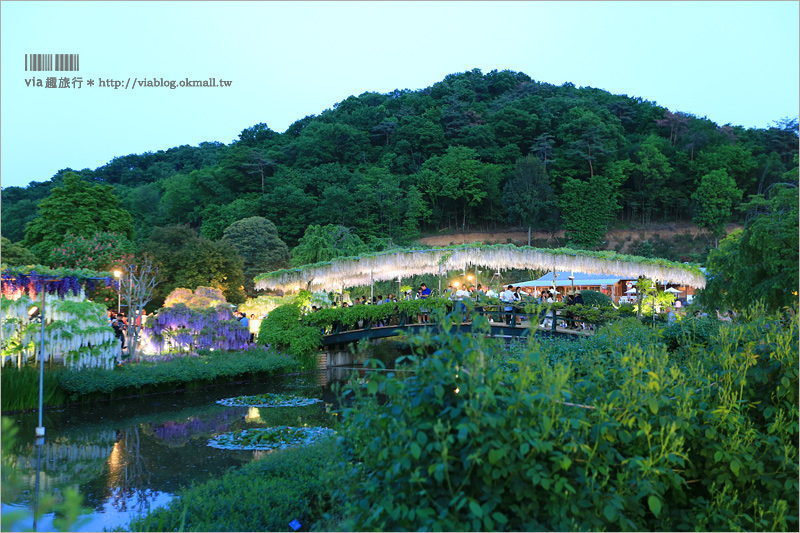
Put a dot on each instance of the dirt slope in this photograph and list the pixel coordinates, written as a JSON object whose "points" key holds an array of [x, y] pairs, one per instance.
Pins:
{"points": [[615, 237]]}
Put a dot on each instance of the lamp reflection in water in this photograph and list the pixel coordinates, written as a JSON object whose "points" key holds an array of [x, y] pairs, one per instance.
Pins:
{"points": [[253, 415]]}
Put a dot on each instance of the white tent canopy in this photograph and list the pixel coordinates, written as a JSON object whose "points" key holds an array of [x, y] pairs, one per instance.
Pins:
{"points": [[562, 280]]}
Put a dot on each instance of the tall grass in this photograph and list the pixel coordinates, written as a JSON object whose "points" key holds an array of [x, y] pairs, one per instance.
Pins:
{"points": [[21, 389]]}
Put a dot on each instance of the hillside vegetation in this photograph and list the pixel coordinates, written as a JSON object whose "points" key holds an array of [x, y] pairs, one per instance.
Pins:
{"points": [[474, 152]]}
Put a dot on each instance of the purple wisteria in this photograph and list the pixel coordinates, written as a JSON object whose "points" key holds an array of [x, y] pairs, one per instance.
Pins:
{"points": [[181, 328], [14, 284]]}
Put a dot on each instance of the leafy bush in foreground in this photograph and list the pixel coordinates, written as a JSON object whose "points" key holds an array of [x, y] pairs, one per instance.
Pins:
{"points": [[261, 496], [637, 443]]}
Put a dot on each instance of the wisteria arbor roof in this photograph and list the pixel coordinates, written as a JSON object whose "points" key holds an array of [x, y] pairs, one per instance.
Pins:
{"points": [[404, 263]]}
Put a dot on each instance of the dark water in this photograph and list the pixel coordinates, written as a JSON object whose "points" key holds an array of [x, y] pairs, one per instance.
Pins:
{"points": [[129, 456]]}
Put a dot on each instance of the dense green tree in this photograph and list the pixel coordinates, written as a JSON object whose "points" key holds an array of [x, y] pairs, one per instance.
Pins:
{"points": [[587, 208], [529, 197], [649, 176], [323, 243], [13, 253], [715, 199], [188, 260], [737, 161], [218, 217], [289, 206], [16, 214], [75, 207], [761, 261], [257, 241], [256, 135]]}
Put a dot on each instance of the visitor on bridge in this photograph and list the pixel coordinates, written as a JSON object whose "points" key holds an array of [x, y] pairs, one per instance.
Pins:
{"points": [[507, 297], [424, 293], [461, 294]]}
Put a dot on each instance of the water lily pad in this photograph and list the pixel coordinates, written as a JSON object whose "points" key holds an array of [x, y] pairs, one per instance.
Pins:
{"points": [[268, 400], [274, 438]]}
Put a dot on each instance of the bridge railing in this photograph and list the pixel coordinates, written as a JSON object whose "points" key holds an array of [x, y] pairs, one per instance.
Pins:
{"points": [[400, 314]]}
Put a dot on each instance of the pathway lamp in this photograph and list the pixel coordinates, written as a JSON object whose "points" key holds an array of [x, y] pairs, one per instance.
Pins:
{"points": [[37, 313]]}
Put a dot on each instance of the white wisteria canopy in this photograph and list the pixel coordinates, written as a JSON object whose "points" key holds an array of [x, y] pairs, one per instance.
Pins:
{"points": [[404, 263]]}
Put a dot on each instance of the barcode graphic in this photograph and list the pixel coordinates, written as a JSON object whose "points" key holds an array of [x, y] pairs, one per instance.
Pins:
{"points": [[50, 62]]}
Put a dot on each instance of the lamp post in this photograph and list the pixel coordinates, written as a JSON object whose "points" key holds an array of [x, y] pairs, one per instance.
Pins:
{"points": [[33, 313], [117, 275]]}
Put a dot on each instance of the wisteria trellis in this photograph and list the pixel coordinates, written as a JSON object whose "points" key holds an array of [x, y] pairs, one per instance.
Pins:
{"points": [[383, 266], [184, 329], [75, 330]]}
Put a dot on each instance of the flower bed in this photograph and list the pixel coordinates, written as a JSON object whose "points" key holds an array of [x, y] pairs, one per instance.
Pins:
{"points": [[275, 438], [268, 400]]}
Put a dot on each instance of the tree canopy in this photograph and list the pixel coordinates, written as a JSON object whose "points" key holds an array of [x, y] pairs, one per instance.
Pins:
{"points": [[761, 261], [79, 208], [457, 155], [256, 239], [188, 260]]}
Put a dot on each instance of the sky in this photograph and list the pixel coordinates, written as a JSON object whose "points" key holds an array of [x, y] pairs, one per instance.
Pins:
{"points": [[731, 62]]}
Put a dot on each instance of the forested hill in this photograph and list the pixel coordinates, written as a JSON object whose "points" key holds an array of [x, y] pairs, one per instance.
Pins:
{"points": [[474, 151]]}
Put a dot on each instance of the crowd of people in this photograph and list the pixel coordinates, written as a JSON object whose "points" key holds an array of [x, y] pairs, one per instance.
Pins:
{"points": [[509, 296], [119, 323]]}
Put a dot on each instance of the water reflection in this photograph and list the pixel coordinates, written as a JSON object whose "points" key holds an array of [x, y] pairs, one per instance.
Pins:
{"points": [[128, 457]]}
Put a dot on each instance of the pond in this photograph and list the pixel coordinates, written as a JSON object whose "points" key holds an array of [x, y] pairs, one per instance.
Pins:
{"points": [[127, 457]]}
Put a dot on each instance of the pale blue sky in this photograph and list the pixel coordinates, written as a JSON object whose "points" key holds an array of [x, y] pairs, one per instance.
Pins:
{"points": [[733, 62]]}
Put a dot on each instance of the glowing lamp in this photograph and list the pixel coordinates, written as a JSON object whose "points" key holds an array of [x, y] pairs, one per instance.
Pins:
{"points": [[117, 273]]}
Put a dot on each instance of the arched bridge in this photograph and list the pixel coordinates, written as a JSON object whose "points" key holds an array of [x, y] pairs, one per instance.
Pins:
{"points": [[502, 324]]}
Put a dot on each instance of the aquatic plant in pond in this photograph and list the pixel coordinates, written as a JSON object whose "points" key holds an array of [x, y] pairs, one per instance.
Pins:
{"points": [[275, 438], [269, 400]]}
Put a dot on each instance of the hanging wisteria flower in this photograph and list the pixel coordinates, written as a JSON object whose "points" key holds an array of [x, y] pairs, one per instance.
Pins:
{"points": [[276, 438], [269, 400]]}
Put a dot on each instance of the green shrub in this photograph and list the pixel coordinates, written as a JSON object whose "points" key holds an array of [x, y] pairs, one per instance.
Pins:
{"points": [[595, 299], [282, 330], [690, 331], [142, 378], [261, 496], [610, 435]]}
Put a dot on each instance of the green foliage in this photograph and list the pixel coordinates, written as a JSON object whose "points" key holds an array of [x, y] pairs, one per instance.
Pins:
{"points": [[97, 252], [691, 331], [21, 388], [141, 378], [715, 198], [323, 243], [188, 260], [15, 253], [261, 496], [529, 196], [595, 299], [282, 330], [605, 434], [391, 166], [79, 208], [760, 261], [256, 239], [588, 207]]}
